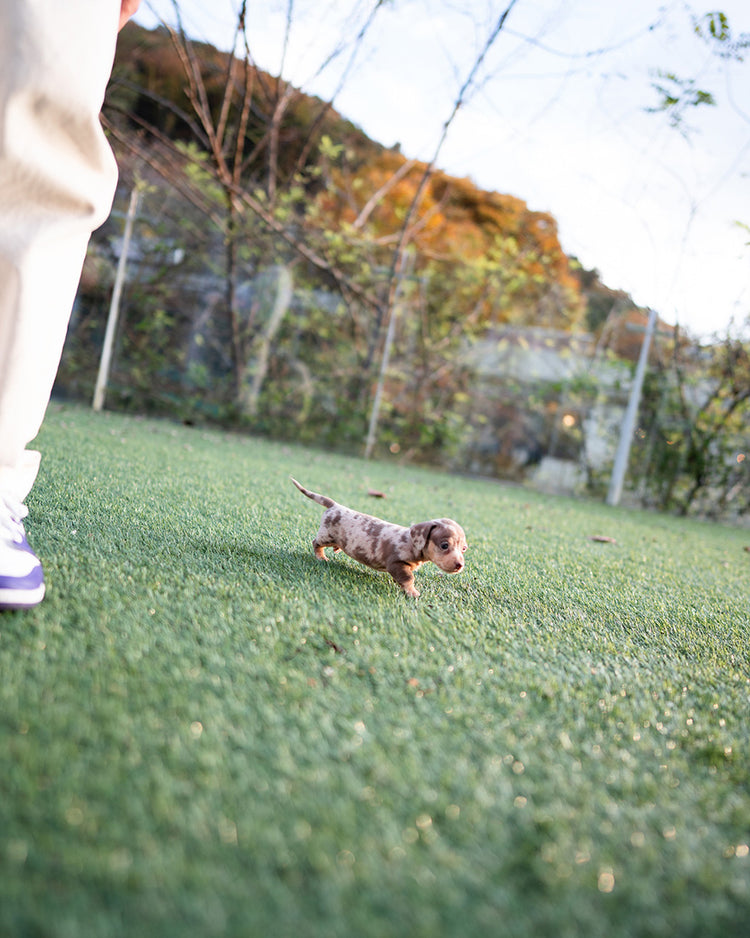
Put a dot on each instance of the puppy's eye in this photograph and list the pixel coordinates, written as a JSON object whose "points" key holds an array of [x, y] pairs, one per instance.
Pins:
{"points": [[445, 545]]}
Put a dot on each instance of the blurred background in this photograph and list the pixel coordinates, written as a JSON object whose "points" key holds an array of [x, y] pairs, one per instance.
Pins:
{"points": [[411, 290]]}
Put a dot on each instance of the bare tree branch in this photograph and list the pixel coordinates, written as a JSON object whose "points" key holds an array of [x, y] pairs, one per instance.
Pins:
{"points": [[396, 272], [377, 197]]}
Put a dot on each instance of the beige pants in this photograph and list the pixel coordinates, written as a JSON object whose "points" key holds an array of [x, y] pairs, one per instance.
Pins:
{"points": [[57, 179]]}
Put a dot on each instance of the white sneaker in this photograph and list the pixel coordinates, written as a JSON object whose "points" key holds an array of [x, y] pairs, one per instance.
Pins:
{"points": [[21, 576]]}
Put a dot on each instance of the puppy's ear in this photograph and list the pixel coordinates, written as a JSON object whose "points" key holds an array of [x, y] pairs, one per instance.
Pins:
{"points": [[420, 534]]}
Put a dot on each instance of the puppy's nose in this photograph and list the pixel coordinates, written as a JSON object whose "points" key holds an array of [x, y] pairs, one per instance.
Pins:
{"points": [[459, 565]]}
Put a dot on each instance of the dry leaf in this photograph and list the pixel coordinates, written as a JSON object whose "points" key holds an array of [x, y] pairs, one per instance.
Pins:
{"points": [[602, 539], [337, 648], [374, 493]]}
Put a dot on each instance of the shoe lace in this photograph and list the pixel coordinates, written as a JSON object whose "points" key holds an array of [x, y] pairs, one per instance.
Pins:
{"points": [[11, 514]]}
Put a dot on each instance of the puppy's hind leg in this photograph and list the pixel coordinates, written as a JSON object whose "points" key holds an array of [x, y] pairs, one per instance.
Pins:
{"points": [[318, 549], [320, 543]]}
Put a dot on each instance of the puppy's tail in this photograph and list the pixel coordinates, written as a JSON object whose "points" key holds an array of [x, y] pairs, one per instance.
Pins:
{"points": [[323, 500]]}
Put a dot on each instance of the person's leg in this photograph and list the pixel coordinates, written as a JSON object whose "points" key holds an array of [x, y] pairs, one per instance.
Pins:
{"points": [[57, 179]]}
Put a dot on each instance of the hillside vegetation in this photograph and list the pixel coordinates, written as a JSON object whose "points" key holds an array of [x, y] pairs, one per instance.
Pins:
{"points": [[292, 184], [458, 222], [287, 273]]}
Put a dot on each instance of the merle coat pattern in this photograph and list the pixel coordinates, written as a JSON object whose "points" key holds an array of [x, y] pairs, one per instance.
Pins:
{"points": [[384, 546]]}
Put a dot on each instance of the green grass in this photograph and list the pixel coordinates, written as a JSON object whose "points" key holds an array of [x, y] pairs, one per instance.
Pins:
{"points": [[204, 731]]}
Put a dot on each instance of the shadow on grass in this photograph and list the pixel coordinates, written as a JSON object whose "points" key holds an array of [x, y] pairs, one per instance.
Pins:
{"points": [[294, 565]]}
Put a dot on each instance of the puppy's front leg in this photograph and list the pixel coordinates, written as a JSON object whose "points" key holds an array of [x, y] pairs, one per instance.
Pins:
{"points": [[403, 574]]}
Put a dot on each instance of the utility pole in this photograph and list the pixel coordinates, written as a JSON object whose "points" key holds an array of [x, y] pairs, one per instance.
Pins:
{"points": [[628, 423], [114, 306]]}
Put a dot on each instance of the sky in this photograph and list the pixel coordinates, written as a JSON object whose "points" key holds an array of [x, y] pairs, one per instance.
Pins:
{"points": [[558, 115]]}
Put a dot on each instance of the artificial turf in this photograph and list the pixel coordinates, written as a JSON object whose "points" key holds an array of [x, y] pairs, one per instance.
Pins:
{"points": [[207, 732]]}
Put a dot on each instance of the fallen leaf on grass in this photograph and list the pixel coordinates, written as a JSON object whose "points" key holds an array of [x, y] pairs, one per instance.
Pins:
{"points": [[337, 648], [374, 493], [602, 539]]}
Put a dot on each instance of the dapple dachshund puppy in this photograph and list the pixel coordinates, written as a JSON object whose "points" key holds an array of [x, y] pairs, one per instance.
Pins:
{"points": [[385, 546]]}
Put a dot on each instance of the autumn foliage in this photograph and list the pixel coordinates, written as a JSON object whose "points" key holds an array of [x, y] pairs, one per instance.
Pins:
{"points": [[278, 253]]}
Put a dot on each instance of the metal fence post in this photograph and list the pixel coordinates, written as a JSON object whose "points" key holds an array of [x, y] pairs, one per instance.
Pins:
{"points": [[628, 423], [114, 306]]}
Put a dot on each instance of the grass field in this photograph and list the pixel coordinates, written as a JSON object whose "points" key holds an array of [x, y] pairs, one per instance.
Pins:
{"points": [[206, 732]]}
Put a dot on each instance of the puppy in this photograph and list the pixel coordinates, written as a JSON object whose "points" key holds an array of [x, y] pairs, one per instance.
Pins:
{"points": [[385, 546]]}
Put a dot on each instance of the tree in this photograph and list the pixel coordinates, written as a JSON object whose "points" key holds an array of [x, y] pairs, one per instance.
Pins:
{"points": [[677, 95], [697, 410], [406, 232], [294, 195], [230, 167], [695, 436]]}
